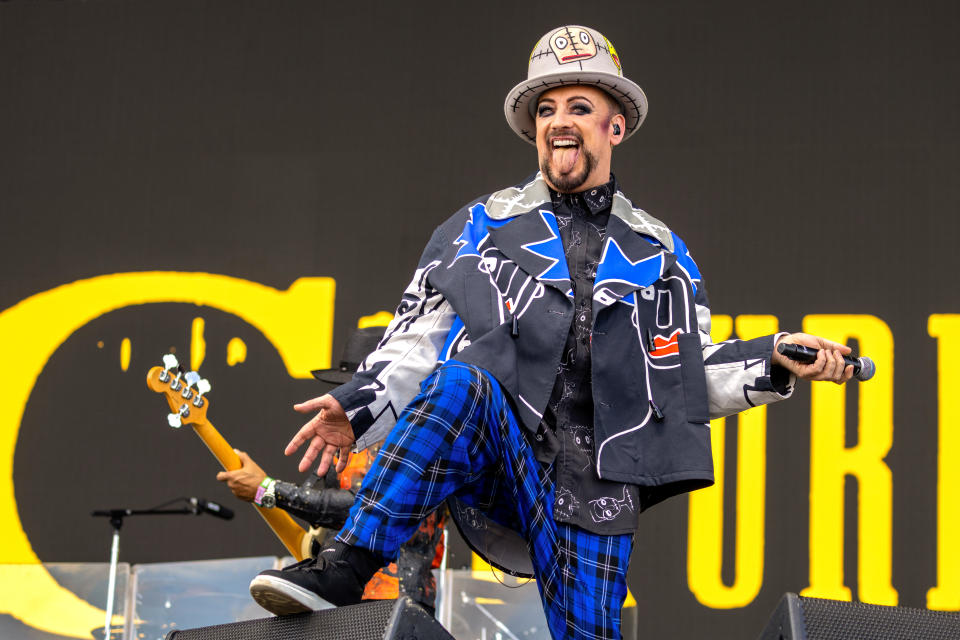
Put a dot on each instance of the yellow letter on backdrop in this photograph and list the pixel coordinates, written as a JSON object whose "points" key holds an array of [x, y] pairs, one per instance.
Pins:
{"points": [[705, 523], [831, 462], [298, 322], [946, 595]]}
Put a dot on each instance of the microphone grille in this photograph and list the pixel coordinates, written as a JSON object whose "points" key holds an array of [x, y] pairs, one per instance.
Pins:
{"points": [[867, 369]]}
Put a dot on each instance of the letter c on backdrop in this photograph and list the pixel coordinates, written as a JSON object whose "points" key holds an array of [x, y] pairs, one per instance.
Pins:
{"points": [[298, 322]]}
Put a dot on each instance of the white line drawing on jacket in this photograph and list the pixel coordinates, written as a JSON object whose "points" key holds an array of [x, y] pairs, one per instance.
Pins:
{"points": [[607, 508]]}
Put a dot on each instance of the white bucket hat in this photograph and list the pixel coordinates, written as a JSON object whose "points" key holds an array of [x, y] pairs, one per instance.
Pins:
{"points": [[572, 55]]}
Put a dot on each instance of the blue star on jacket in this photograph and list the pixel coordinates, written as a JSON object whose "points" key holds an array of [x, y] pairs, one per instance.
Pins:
{"points": [[685, 260], [550, 249], [475, 232], [616, 267]]}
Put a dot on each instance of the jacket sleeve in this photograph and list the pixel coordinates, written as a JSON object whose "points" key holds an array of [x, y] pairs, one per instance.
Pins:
{"points": [[326, 507], [389, 378], [740, 373]]}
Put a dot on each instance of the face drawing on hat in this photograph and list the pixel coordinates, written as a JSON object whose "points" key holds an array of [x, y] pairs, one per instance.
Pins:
{"points": [[570, 44], [573, 55]]}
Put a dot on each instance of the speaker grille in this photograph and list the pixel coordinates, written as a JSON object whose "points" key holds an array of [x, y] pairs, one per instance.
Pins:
{"points": [[356, 622], [834, 620]]}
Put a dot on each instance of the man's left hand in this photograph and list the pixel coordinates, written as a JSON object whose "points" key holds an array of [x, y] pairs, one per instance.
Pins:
{"points": [[243, 482], [829, 364]]}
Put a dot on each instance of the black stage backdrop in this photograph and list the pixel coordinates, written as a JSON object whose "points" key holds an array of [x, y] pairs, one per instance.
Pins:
{"points": [[157, 156]]}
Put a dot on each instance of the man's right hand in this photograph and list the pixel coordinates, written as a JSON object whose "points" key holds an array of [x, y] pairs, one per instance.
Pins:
{"points": [[329, 433]]}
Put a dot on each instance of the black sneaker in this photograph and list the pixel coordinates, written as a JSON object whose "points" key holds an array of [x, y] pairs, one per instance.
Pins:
{"points": [[336, 577]]}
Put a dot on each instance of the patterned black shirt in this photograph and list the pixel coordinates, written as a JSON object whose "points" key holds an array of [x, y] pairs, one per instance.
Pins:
{"points": [[565, 436]]}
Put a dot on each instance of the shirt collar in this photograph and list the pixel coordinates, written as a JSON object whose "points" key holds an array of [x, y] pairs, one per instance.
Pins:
{"points": [[595, 199]]}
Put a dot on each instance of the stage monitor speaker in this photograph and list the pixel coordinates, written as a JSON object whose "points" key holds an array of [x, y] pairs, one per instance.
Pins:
{"points": [[400, 619], [797, 618]]}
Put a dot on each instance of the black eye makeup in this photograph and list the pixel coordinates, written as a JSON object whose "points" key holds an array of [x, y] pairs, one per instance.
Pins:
{"points": [[577, 108]]}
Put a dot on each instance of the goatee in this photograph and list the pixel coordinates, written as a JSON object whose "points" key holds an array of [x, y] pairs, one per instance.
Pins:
{"points": [[569, 182]]}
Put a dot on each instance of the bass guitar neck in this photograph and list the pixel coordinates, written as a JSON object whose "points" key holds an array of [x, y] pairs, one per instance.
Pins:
{"points": [[192, 409]]}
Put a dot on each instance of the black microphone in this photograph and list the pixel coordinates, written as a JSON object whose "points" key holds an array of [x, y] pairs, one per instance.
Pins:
{"points": [[863, 368], [214, 509]]}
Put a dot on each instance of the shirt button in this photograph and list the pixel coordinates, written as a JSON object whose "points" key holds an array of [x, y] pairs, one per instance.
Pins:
{"points": [[539, 437]]}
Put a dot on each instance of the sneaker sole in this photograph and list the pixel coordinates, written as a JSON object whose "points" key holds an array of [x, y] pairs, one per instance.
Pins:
{"points": [[284, 598]]}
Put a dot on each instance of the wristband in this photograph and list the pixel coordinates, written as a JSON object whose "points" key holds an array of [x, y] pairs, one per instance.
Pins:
{"points": [[265, 493]]}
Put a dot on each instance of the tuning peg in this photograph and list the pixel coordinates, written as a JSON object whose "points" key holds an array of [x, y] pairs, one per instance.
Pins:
{"points": [[203, 386], [175, 383], [176, 419], [169, 362], [191, 378]]}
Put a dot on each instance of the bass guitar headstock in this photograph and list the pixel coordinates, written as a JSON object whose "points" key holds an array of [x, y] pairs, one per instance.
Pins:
{"points": [[184, 391]]}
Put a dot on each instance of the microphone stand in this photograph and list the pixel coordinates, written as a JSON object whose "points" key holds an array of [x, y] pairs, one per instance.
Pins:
{"points": [[116, 521]]}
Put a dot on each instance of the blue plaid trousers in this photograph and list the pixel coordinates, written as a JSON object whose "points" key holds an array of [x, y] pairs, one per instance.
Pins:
{"points": [[460, 437]]}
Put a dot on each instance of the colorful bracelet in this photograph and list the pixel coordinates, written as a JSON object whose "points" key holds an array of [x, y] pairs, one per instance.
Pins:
{"points": [[262, 489]]}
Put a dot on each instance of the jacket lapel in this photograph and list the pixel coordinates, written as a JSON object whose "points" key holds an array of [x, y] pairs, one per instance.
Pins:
{"points": [[641, 221], [629, 261], [532, 241]]}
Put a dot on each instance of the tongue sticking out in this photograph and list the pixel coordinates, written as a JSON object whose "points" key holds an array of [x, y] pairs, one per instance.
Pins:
{"points": [[565, 158]]}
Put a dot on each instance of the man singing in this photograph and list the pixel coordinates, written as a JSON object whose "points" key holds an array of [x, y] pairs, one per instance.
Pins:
{"points": [[549, 369]]}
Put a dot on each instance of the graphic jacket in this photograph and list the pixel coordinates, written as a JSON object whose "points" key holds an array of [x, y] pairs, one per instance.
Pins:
{"points": [[492, 290]]}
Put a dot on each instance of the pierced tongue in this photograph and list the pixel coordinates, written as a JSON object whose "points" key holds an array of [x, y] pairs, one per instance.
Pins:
{"points": [[565, 158]]}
